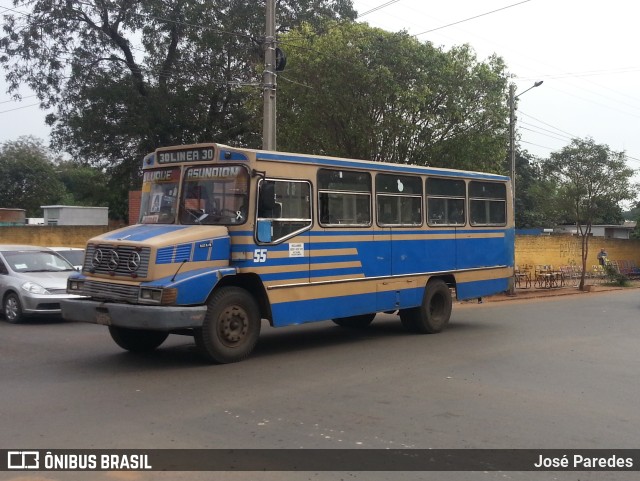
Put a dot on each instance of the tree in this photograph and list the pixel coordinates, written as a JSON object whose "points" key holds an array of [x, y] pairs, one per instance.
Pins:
{"points": [[126, 77], [591, 177], [535, 193], [356, 91], [28, 176], [85, 185]]}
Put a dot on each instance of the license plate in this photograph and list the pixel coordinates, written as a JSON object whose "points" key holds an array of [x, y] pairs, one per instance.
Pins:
{"points": [[103, 318]]}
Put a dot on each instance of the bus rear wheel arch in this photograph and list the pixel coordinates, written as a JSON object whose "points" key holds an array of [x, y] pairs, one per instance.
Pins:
{"points": [[433, 314], [231, 326]]}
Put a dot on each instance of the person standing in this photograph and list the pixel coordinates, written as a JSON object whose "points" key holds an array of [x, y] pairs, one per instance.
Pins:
{"points": [[602, 256]]}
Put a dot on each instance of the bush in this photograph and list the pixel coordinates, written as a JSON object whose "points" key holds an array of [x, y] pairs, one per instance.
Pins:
{"points": [[615, 277]]}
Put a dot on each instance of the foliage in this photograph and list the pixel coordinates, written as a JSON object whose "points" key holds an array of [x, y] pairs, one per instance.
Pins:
{"points": [[591, 177], [535, 194], [615, 277], [129, 76], [634, 214], [28, 176], [356, 91]]}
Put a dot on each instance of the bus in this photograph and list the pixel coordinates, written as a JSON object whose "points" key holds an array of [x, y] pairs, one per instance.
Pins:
{"points": [[228, 237]]}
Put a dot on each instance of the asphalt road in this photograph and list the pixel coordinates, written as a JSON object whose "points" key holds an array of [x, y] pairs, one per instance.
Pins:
{"points": [[556, 373]]}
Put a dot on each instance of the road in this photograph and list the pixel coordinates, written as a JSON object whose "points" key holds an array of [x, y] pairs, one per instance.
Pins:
{"points": [[547, 373]]}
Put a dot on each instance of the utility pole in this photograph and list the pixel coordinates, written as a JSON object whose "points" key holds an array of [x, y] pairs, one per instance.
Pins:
{"points": [[512, 141], [512, 154], [512, 133], [269, 79]]}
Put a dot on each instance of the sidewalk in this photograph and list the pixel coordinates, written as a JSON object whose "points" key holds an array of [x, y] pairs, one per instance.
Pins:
{"points": [[533, 292]]}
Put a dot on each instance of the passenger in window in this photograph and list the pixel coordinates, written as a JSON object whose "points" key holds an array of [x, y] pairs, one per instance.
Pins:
{"points": [[457, 216]]}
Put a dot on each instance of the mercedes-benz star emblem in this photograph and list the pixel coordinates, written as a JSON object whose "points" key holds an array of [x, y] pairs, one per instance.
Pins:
{"points": [[134, 262], [96, 260], [114, 260]]}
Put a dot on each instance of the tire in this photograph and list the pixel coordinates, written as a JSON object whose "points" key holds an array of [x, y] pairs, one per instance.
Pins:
{"points": [[231, 327], [137, 340], [12, 309], [434, 313], [355, 322]]}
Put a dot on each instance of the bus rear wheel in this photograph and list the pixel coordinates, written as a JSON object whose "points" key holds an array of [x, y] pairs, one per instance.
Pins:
{"points": [[356, 322], [137, 340], [231, 327], [434, 313]]}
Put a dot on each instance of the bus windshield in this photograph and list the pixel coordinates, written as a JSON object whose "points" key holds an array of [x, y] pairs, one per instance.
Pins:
{"points": [[159, 196], [215, 195]]}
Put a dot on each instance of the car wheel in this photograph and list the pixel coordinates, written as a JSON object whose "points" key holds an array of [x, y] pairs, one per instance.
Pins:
{"points": [[12, 309]]}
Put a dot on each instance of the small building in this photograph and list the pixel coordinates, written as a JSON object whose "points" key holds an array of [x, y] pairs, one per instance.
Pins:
{"points": [[606, 231], [12, 216], [75, 215]]}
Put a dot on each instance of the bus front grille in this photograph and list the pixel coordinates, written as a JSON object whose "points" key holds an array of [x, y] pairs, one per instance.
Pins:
{"points": [[110, 291], [129, 261]]}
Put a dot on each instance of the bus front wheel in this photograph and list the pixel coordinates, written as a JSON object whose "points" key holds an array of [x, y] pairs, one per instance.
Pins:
{"points": [[434, 313], [231, 326]]}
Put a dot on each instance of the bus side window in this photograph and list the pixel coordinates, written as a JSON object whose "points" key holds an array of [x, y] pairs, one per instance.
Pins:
{"points": [[267, 206], [284, 209]]}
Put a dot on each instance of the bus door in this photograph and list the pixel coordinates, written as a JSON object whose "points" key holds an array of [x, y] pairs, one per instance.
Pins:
{"points": [[446, 221], [399, 204]]}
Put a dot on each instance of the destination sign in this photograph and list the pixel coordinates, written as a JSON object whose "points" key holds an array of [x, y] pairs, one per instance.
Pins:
{"points": [[186, 155], [201, 173], [162, 175]]}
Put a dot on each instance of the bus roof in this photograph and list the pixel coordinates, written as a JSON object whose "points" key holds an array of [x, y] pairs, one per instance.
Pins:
{"points": [[328, 161]]}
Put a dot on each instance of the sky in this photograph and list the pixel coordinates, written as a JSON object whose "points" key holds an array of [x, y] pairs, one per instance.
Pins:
{"points": [[585, 52]]}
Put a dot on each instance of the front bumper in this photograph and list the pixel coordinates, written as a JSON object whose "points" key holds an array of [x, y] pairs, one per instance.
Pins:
{"points": [[133, 316], [43, 303]]}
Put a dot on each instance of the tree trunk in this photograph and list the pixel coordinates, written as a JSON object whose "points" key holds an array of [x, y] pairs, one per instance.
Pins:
{"points": [[585, 254]]}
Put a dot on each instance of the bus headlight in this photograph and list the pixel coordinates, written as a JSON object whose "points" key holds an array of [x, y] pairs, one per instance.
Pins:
{"points": [[150, 295], [154, 295]]}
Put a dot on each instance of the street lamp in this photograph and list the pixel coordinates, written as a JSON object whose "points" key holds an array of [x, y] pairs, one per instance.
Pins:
{"points": [[512, 133]]}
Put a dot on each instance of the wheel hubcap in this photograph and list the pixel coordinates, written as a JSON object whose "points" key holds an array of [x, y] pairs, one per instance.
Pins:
{"points": [[11, 309], [233, 326]]}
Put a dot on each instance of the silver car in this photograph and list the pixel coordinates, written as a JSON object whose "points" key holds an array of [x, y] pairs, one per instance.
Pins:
{"points": [[75, 255], [32, 281]]}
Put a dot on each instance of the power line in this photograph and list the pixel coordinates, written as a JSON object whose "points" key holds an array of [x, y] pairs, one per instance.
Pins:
{"points": [[471, 18], [375, 9], [19, 108], [541, 131], [588, 73], [548, 125]]}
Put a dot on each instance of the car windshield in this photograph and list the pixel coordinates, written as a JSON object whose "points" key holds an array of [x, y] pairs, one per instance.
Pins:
{"points": [[75, 257], [36, 261], [159, 196]]}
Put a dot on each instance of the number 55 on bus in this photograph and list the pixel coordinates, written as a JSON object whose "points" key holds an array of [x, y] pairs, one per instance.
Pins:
{"points": [[228, 237]]}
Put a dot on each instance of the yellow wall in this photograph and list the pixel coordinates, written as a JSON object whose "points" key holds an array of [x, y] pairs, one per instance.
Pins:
{"points": [[530, 250], [565, 250], [50, 236]]}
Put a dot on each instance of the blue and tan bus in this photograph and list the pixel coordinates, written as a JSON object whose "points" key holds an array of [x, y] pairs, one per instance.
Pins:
{"points": [[229, 237]]}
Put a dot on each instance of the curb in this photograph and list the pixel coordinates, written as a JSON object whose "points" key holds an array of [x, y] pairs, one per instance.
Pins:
{"points": [[563, 291]]}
